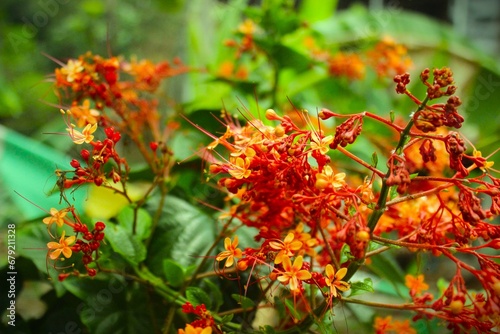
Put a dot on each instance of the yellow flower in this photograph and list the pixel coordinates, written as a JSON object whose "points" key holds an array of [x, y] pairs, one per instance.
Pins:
{"points": [[230, 253], [293, 273], [321, 144], [329, 178], [63, 246], [334, 280], [71, 69], [239, 168], [56, 216], [195, 330], [247, 27], [287, 247], [82, 137]]}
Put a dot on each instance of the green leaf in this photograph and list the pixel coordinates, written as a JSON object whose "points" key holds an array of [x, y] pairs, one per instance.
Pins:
{"points": [[291, 308], [36, 163], [393, 193], [245, 302], [361, 287], [345, 254], [267, 330], [386, 267], [126, 219], [215, 294], [184, 232], [110, 306], [227, 318], [174, 273], [374, 159], [125, 244], [197, 296]]}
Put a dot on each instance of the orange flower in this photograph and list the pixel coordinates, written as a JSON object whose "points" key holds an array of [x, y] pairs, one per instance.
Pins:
{"points": [[84, 114], [416, 284], [349, 65], [387, 325], [56, 216], [63, 246], [334, 280], [195, 330], [403, 327], [287, 247], [230, 253], [293, 273]]}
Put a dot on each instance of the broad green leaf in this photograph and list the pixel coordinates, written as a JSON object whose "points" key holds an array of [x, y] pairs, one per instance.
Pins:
{"points": [[360, 287], [125, 244], [197, 296], [215, 294], [143, 227], [27, 166], [173, 273], [111, 306], [184, 232]]}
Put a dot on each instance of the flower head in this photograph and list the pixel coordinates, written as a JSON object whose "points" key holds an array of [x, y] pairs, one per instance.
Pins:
{"points": [[71, 69], [416, 284], [195, 330], [334, 280], [239, 169], [286, 247], [328, 178], [321, 144], [56, 216], [293, 273], [230, 253], [82, 137], [63, 246]]}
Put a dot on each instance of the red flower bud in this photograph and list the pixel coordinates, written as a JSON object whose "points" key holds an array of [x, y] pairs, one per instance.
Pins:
{"points": [[85, 154], [74, 163], [99, 226], [153, 146]]}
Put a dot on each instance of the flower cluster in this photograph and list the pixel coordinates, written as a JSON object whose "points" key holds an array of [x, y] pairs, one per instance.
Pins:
{"points": [[386, 58], [282, 182], [84, 241], [117, 94], [114, 95], [203, 324]]}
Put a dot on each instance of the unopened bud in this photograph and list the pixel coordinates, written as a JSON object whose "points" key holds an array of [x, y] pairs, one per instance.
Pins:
{"points": [[272, 115]]}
